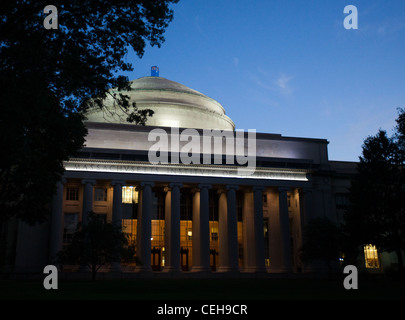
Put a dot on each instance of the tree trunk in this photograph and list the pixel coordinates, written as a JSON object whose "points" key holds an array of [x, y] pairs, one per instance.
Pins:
{"points": [[93, 272]]}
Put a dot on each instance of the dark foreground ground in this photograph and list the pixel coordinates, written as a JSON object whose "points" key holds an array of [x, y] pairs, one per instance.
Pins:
{"points": [[183, 298], [205, 289]]}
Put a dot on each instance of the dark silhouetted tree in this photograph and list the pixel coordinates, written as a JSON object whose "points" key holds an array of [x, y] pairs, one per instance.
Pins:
{"points": [[95, 244], [377, 211], [322, 242], [49, 78]]}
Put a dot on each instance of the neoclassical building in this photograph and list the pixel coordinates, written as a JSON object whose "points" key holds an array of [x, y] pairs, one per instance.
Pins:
{"points": [[206, 215]]}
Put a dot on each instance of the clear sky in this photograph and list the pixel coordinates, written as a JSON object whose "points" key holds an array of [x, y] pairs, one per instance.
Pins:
{"points": [[290, 66]]}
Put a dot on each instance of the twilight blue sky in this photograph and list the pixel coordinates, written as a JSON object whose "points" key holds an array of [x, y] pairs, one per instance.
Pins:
{"points": [[290, 66]]}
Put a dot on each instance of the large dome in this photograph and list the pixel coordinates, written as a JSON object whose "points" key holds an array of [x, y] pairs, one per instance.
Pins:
{"points": [[174, 104]]}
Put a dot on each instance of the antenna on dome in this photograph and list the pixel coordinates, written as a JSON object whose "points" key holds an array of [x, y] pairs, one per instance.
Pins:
{"points": [[154, 72]]}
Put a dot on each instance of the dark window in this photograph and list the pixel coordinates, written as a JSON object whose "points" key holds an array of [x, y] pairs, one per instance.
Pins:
{"points": [[342, 201], [186, 206], [100, 195], [72, 193]]}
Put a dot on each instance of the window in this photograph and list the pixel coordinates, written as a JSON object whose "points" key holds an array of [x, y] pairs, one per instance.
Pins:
{"points": [[371, 257], [186, 206], [214, 233], [72, 193], [100, 195], [342, 201], [129, 195]]}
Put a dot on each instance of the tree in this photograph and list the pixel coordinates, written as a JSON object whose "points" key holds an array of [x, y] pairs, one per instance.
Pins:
{"points": [[49, 79], [95, 244], [377, 211], [321, 242]]}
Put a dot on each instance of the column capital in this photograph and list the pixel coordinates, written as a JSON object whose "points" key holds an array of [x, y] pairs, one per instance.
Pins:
{"points": [[91, 181], [258, 188], [194, 190], [175, 184], [147, 183], [221, 190], [306, 190], [117, 182], [284, 189], [204, 185], [231, 187]]}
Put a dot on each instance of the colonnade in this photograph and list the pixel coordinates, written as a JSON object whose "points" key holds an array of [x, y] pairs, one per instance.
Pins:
{"points": [[252, 213]]}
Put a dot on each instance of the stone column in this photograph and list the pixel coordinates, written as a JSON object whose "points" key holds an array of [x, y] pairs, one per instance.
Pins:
{"points": [[306, 216], [144, 247], [117, 217], [87, 208], [56, 223], [248, 232], [228, 233], [201, 236], [285, 231], [167, 235], [174, 232], [117, 202], [87, 199], [258, 229], [222, 231]]}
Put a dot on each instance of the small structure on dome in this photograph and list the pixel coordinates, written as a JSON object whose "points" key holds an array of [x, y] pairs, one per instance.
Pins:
{"points": [[154, 72]]}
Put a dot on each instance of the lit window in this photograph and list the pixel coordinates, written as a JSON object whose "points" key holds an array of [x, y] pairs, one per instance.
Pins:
{"points": [[214, 234], [371, 256], [129, 195]]}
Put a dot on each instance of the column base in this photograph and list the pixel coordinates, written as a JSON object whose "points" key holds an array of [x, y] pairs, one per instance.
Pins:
{"points": [[255, 269], [200, 269], [171, 269], [228, 269], [143, 269], [286, 270]]}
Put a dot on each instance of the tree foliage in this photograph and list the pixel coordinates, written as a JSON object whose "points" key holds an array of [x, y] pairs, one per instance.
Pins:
{"points": [[49, 78], [95, 244], [322, 242], [377, 211]]}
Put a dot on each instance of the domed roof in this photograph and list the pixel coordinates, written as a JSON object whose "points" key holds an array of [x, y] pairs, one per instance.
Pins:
{"points": [[159, 83], [174, 105]]}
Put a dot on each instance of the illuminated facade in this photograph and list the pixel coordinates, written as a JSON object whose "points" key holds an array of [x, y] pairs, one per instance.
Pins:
{"points": [[190, 217]]}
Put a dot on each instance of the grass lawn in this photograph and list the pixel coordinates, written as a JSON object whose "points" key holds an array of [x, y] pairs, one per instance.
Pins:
{"points": [[205, 289]]}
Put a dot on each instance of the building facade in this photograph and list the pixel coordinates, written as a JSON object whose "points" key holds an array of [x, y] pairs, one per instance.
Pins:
{"points": [[191, 211]]}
